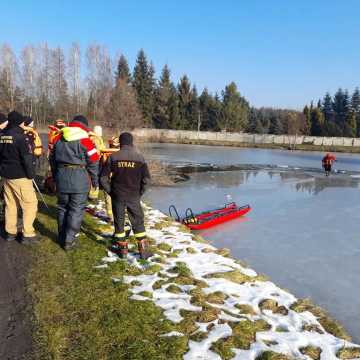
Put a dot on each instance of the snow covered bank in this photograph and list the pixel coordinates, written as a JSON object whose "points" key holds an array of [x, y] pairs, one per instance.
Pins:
{"points": [[224, 309]]}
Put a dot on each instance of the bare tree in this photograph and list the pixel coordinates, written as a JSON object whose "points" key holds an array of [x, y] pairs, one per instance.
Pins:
{"points": [[9, 72], [123, 111], [296, 125], [59, 84], [28, 58], [99, 80], [74, 70], [43, 109]]}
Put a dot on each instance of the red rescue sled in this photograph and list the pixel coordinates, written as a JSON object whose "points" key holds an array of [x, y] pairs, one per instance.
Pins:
{"points": [[211, 218]]}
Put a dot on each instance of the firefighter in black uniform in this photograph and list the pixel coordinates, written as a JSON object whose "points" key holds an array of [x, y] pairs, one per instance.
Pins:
{"points": [[125, 177], [17, 168], [3, 124]]}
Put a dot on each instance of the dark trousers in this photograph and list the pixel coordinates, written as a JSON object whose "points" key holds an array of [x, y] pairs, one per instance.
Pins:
{"points": [[135, 213], [71, 209]]}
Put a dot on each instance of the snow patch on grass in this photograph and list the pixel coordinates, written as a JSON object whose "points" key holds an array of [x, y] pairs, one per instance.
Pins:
{"points": [[214, 287]]}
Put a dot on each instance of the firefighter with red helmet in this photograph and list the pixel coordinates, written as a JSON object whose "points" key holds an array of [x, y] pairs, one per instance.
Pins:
{"points": [[327, 163]]}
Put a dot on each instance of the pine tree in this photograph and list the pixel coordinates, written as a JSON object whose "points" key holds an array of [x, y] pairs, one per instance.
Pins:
{"points": [[350, 126], [276, 126], [144, 83], [123, 72], [307, 115], [340, 104], [317, 121], [194, 111], [235, 112], [174, 114], [252, 120], [355, 106], [185, 97], [210, 109], [164, 101]]}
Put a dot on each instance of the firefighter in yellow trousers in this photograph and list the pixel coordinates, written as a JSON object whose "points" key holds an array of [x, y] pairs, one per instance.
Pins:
{"points": [[17, 167], [97, 139]]}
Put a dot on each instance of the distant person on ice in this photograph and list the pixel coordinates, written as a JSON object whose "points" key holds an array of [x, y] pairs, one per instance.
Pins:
{"points": [[74, 164], [125, 177], [327, 162]]}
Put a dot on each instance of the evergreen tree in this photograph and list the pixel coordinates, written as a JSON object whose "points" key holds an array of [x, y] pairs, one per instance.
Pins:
{"points": [[276, 126], [210, 109], [123, 72], [307, 115], [175, 121], [235, 111], [164, 101], [194, 111], [317, 122], [185, 97], [355, 105], [350, 126], [340, 105], [144, 83]]}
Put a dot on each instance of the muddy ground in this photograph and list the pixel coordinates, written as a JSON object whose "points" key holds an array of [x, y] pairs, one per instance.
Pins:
{"points": [[15, 324]]}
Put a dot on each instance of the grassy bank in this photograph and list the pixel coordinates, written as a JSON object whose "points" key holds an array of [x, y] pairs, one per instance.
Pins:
{"points": [[81, 313], [88, 306]]}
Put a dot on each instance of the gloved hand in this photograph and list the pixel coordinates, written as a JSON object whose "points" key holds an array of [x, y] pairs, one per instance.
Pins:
{"points": [[94, 193]]}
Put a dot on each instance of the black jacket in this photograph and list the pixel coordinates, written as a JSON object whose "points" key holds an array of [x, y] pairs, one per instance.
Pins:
{"points": [[74, 161], [128, 171], [16, 158]]}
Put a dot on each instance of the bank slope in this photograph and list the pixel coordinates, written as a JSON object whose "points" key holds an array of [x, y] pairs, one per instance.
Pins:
{"points": [[189, 301]]}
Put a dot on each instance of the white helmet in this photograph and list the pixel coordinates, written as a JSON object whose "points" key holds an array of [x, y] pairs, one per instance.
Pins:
{"points": [[98, 130]]}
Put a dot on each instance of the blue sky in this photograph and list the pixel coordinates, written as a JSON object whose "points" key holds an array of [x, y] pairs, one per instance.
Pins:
{"points": [[281, 53]]}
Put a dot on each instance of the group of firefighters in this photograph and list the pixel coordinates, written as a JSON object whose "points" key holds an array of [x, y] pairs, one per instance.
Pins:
{"points": [[80, 165]]}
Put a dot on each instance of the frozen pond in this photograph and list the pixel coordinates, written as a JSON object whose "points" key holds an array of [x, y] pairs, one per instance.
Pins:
{"points": [[303, 231]]}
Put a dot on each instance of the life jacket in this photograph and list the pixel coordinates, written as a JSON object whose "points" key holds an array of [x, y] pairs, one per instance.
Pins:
{"points": [[53, 134], [35, 141], [98, 142]]}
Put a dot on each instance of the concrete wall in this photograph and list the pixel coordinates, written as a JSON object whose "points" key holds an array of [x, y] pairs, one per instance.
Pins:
{"points": [[184, 136]]}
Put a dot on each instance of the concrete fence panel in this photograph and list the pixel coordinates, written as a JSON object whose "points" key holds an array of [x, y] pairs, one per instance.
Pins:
{"points": [[348, 141], [279, 139], [240, 138]]}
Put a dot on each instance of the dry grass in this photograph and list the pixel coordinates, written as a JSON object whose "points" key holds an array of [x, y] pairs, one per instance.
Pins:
{"points": [[270, 355], [246, 309], [349, 353], [312, 352], [329, 324], [237, 277], [243, 335]]}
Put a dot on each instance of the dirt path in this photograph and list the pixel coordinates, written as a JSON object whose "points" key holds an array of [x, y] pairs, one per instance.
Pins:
{"points": [[15, 328]]}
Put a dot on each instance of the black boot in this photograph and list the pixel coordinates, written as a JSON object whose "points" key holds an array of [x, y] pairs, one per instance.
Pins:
{"points": [[70, 245], [10, 237], [30, 240], [144, 250]]}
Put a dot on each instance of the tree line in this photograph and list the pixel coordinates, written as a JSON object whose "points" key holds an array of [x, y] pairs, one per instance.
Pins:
{"points": [[337, 115], [47, 83]]}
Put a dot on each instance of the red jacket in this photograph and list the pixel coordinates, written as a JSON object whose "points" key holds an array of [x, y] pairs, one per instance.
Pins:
{"points": [[328, 160]]}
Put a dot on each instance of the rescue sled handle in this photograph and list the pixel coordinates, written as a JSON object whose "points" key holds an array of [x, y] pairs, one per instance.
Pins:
{"points": [[189, 214], [172, 208]]}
